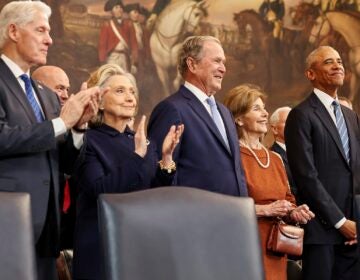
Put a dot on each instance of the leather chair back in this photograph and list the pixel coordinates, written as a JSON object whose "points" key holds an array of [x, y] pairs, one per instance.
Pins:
{"points": [[179, 233], [17, 254]]}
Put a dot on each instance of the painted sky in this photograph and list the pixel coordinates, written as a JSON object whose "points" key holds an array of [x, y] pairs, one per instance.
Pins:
{"points": [[220, 11]]}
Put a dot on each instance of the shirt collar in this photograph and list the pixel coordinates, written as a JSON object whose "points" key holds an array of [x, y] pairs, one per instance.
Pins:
{"points": [[282, 145], [202, 96], [14, 68], [325, 99]]}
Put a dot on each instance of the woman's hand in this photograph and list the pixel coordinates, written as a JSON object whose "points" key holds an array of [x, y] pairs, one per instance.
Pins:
{"points": [[140, 138], [170, 142], [301, 214], [278, 208]]}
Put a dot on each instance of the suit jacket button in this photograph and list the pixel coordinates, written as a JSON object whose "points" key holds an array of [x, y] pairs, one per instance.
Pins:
{"points": [[46, 182]]}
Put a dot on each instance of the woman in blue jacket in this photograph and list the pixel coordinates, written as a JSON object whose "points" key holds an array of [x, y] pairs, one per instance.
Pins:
{"points": [[114, 159]]}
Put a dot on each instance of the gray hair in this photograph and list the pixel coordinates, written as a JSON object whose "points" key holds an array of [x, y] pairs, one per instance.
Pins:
{"points": [[274, 119], [192, 47], [100, 77], [311, 58], [20, 13]]}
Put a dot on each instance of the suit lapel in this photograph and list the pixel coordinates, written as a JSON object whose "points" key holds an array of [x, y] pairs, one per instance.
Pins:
{"points": [[278, 149], [200, 110], [43, 96], [352, 136], [327, 121], [11, 81]]}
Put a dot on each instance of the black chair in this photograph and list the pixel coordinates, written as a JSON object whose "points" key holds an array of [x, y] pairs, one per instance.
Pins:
{"points": [[17, 254], [179, 233]]}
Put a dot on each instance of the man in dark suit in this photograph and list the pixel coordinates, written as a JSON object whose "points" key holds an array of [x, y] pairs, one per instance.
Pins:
{"points": [[322, 141], [277, 124], [32, 124], [207, 156]]}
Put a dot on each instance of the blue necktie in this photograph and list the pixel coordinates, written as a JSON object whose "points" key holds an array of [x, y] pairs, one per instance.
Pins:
{"points": [[218, 120], [341, 126], [30, 96]]}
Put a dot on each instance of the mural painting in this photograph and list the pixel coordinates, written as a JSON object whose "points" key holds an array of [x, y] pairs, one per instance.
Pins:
{"points": [[265, 42]]}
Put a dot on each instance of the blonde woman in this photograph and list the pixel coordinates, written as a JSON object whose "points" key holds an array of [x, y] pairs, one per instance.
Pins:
{"points": [[264, 172], [114, 159]]}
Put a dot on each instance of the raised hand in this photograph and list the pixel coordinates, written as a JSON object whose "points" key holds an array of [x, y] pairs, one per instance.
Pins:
{"points": [[140, 138], [92, 108], [170, 142], [74, 107]]}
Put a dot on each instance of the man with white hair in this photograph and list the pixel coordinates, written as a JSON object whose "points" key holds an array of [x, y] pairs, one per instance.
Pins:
{"points": [[277, 125], [32, 123]]}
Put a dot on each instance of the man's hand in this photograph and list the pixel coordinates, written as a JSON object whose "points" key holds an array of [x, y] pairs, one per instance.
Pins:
{"points": [[92, 108], [348, 229], [75, 106]]}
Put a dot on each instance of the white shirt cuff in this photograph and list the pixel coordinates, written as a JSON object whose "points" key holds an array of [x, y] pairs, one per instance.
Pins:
{"points": [[59, 126], [78, 139], [340, 223]]}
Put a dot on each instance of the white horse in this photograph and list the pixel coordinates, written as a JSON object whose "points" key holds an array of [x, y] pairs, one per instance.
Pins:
{"points": [[348, 26], [175, 22]]}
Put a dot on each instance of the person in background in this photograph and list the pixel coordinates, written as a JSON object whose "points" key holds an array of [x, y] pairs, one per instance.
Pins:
{"points": [[33, 127], [117, 41], [115, 159], [55, 79], [277, 125], [322, 145], [208, 153], [345, 102], [264, 172]]}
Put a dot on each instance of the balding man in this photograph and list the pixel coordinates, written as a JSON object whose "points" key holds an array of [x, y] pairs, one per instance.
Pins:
{"points": [[277, 124], [54, 78]]}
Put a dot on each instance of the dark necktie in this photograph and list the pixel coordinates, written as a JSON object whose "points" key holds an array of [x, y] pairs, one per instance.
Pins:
{"points": [[30, 96], [215, 114], [341, 126]]}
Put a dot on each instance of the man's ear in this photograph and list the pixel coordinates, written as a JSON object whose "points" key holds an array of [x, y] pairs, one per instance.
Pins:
{"points": [[274, 129], [13, 32], [191, 64], [310, 74]]}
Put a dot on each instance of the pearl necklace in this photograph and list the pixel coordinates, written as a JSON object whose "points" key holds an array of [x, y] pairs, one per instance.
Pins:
{"points": [[267, 164]]}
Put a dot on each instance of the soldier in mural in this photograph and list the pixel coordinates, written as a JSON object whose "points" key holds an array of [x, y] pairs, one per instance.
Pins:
{"points": [[142, 36], [117, 42]]}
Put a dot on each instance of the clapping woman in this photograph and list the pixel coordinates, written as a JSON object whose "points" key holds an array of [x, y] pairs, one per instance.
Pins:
{"points": [[114, 159], [264, 171]]}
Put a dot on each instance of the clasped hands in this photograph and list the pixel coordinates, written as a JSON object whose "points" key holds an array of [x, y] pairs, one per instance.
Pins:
{"points": [[281, 208], [81, 107]]}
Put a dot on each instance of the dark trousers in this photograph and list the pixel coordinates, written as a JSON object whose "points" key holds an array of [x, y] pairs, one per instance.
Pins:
{"points": [[331, 262]]}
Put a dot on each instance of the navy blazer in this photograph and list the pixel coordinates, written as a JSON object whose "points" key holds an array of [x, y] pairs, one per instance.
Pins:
{"points": [[29, 154], [107, 164], [324, 179], [278, 149], [203, 160]]}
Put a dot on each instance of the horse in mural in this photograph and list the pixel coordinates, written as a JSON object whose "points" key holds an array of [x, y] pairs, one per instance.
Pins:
{"points": [[261, 41], [177, 21], [347, 25]]}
